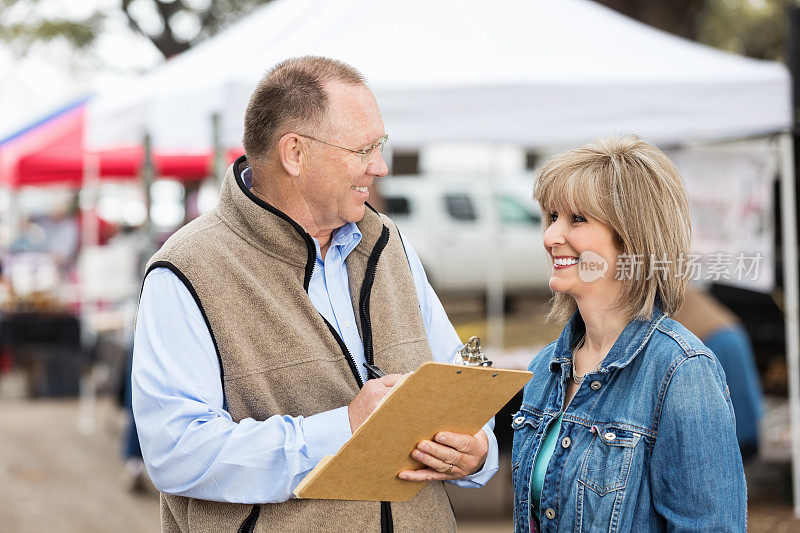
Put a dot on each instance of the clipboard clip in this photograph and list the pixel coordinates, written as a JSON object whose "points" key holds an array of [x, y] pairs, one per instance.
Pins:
{"points": [[471, 354]]}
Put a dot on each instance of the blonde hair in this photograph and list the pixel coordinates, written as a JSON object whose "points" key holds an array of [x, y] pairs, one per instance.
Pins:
{"points": [[633, 187]]}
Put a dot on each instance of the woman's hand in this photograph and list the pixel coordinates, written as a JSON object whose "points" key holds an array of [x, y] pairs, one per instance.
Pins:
{"points": [[448, 456]]}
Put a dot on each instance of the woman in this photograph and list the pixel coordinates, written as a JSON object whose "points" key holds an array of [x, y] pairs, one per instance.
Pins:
{"points": [[627, 423]]}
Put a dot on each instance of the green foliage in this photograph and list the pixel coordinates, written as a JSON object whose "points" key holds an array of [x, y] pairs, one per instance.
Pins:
{"points": [[755, 28], [20, 27], [22, 24]]}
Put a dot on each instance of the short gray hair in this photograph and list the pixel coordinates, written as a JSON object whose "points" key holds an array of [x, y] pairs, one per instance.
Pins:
{"points": [[291, 94]]}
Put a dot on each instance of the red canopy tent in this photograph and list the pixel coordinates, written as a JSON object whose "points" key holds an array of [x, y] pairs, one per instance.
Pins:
{"points": [[52, 152]]}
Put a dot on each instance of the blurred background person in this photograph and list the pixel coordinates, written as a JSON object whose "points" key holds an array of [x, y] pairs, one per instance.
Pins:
{"points": [[721, 331], [134, 475]]}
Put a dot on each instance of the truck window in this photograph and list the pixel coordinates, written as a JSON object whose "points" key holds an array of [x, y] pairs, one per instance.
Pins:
{"points": [[397, 205], [459, 206], [512, 211]]}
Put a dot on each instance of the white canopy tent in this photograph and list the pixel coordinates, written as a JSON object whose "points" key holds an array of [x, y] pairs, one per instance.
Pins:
{"points": [[529, 73], [525, 72]]}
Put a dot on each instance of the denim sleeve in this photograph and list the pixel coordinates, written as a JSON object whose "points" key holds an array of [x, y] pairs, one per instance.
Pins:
{"points": [[696, 469], [444, 343]]}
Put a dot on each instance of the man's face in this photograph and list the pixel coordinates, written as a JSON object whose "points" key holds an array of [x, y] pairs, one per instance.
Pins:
{"points": [[333, 181]]}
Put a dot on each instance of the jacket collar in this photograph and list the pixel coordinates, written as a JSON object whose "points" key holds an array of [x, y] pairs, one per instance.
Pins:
{"points": [[270, 228], [628, 345]]}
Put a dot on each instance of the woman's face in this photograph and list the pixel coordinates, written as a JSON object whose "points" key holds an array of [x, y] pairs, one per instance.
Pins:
{"points": [[584, 254]]}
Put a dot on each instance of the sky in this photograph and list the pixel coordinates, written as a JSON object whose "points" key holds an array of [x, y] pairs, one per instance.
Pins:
{"points": [[50, 76]]}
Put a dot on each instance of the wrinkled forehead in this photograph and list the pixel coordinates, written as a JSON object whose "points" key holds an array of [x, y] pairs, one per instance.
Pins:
{"points": [[352, 117], [349, 103]]}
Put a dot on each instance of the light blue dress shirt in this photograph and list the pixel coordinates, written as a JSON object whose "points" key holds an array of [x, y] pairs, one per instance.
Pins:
{"points": [[190, 444]]}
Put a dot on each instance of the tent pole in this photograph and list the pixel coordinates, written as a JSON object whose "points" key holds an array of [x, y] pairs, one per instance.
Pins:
{"points": [[91, 178], [219, 156], [148, 173], [13, 221], [90, 237], [12, 225], [495, 290], [790, 306], [495, 283]]}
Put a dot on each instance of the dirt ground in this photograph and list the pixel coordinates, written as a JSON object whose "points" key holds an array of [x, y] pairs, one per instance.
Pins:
{"points": [[56, 478]]}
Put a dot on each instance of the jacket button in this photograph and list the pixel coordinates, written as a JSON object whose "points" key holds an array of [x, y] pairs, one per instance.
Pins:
{"points": [[596, 385], [550, 513], [565, 442], [519, 420], [610, 436]]}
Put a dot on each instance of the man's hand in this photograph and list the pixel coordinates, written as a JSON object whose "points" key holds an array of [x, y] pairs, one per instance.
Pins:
{"points": [[368, 397], [451, 456]]}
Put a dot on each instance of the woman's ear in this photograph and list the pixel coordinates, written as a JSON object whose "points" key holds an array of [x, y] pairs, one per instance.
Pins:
{"points": [[290, 152]]}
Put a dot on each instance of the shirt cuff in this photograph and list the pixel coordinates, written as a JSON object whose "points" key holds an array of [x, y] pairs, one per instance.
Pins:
{"points": [[326, 432], [490, 466]]}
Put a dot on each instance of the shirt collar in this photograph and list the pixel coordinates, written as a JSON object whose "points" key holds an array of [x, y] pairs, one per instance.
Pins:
{"points": [[628, 345], [247, 177], [344, 239]]}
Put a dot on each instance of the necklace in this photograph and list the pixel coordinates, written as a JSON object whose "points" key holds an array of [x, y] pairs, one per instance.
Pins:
{"points": [[575, 377]]}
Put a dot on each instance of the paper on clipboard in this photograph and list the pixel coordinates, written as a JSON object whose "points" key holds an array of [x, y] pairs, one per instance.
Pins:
{"points": [[436, 397]]}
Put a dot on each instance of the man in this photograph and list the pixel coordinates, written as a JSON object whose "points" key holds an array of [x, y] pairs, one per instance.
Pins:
{"points": [[256, 319]]}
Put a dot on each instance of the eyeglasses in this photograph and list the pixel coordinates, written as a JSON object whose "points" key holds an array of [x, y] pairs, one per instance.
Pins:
{"points": [[364, 152]]}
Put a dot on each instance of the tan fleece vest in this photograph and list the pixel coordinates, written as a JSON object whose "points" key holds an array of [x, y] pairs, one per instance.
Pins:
{"points": [[248, 266]]}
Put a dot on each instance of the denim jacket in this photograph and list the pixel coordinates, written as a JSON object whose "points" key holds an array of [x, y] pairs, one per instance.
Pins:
{"points": [[648, 443]]}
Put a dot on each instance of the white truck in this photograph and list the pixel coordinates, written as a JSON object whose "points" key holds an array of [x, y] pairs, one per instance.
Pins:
{"points": [[463, 228]]}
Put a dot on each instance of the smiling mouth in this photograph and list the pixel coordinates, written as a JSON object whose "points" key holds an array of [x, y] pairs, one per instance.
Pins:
{"points": [[564, 262], [360, 189]]}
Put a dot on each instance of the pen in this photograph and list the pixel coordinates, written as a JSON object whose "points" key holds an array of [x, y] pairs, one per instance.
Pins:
{"points": [[373, 371]]}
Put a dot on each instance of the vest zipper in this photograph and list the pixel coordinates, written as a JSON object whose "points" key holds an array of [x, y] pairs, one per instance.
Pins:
{"points": [[386, 510], [387, 524], [366, 292], [347, 355], [249, 523], [351, 362]]}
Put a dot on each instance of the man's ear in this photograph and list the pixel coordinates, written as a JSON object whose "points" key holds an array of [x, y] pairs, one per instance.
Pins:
{"points": [[291, 153]]}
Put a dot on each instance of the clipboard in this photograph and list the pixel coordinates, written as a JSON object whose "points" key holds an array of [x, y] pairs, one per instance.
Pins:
{"points": [[436, 397]]}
